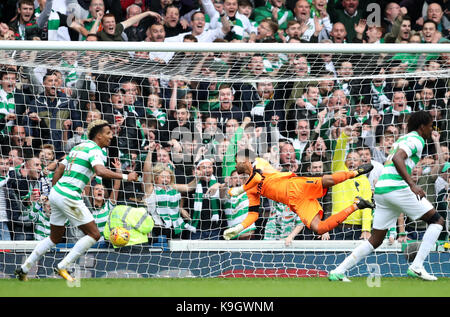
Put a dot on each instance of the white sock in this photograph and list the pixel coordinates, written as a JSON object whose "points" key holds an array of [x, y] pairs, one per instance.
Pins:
{"points": [[41, 248], [429, 240], [361, 251], [78, 249]]}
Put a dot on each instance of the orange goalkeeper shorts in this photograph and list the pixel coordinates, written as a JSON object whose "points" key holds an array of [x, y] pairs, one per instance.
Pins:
{"points": [[303, 193]]}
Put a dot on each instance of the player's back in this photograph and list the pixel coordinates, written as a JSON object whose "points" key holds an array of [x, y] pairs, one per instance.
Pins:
{"points": [[79, 168], [390, 180], [268, 181]]}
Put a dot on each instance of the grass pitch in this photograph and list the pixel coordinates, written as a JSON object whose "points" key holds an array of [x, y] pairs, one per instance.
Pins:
{"points": [[225, 287]]}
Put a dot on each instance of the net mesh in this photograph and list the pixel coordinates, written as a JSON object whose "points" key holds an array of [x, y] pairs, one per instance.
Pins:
{"points": [[232, 67], [187, 118]]}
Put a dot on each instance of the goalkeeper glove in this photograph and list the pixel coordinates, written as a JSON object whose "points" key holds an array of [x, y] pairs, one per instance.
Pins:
{"points": [[232, 232], [236, 191], [190, 228]]}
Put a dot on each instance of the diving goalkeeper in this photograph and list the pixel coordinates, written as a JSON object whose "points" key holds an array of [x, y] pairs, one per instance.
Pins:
{"points": [[299, 193]]}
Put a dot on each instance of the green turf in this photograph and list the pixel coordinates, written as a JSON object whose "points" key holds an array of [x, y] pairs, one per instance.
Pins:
{"points": [[219, 287]]}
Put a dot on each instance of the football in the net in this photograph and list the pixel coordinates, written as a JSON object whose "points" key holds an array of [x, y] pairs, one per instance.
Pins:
{"points": [[119, 236]]}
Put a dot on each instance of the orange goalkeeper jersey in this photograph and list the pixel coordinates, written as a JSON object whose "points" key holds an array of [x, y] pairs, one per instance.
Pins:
{"points": [[268, 182]]}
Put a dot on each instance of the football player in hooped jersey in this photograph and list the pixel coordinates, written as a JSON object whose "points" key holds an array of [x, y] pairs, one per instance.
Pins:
{"points": [[396, 193], [71, 176], [299, 193]]}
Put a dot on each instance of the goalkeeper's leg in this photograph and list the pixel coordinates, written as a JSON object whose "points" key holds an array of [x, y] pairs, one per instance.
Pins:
{"points": [[320, 227], [342, 176]]}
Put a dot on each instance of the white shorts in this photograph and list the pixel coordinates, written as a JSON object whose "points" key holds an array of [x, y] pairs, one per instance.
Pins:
{"points": [[390, 205], [64, 209]]}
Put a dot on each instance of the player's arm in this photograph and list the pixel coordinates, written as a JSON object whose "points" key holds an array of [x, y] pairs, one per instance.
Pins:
{"points": [[399, 162], [254, 200], [104, 172], [251, 218]]}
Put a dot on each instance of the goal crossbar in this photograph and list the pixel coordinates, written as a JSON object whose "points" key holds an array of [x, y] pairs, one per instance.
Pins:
{"points": [[313, 48]]}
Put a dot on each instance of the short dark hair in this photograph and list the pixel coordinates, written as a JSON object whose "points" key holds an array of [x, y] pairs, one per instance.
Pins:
{"points": [[27, 2], [224, 86], [245, 3], [50, 72], [407, 17], [190, 37], [195, 13], [417, 119], [108, 15], [7, 71], [431, 21], [92, 35], [272, 25]]}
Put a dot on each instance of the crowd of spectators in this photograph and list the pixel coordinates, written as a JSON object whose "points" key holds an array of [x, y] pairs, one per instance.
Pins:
{"points": [[187, 133]]}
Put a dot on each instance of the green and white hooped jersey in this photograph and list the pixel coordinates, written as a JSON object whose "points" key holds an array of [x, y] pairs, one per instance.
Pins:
{"points": [[70, 74], [390, 180], [41, 221], [79, 169], [236, 209], [101, 214], [167, 206], [281, 222]]}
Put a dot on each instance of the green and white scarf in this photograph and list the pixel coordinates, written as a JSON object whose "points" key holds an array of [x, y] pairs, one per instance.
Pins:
{"points": [[380, 99], [259, 108], [7, 106], [198, 201], [53, 24], [160, 116], [70, 74]]}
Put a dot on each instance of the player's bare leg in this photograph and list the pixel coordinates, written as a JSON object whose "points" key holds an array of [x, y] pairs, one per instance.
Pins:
{"points": [[56, 234], [416, 269], [435, 226], [92, 235], [363, 250]]}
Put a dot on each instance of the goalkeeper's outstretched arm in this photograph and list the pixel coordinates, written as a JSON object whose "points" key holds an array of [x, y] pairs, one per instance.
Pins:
{"points": [[251, 218]]}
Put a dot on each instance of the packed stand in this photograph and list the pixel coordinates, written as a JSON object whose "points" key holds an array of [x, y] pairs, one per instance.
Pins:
{"points": [[186, 133]]}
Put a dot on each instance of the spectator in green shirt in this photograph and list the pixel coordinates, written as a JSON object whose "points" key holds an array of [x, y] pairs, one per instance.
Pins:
{"points": [[275, 10]]}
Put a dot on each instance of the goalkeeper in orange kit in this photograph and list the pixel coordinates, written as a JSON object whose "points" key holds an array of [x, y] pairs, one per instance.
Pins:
{"points": [[299, 193]]}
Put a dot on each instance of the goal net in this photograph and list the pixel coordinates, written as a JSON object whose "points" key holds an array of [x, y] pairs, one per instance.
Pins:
{"points": [[181, 114]]}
